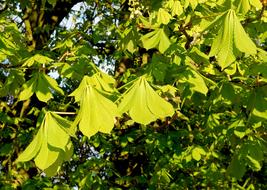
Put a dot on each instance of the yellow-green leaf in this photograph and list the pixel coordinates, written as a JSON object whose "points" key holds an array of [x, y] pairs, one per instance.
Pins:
{"points": [[143, 104], [33, 148]]}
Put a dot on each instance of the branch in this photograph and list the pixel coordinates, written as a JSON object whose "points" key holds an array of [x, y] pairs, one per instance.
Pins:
{"points": [[67, 53], [189, 38]]}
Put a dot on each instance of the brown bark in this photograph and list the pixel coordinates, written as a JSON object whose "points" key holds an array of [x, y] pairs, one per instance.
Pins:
{"points": [[41, 19]]}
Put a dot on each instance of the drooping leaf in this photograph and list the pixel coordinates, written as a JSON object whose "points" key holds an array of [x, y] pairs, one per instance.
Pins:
{"points": [[56, 136], [224, 44], [51, 146], [242, 41], [28, 89], [231, 40], [143, 104], [41, 85], [47, 155], [92, 103], [33, 148]]}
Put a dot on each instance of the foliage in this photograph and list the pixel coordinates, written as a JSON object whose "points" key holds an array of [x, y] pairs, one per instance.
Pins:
{"points": [[133, 94]]}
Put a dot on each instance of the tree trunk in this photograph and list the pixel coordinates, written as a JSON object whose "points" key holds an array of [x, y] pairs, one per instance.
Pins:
{"points": [[41, 19]]}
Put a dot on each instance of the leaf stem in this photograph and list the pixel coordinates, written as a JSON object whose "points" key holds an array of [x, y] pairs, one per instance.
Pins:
{"points": [[64, 113]]}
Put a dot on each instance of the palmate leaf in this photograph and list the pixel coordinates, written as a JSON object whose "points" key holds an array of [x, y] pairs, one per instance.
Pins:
{"points": [[52, 145], [99, 80], [231, 40], [97, 113], [40, 84], [156, 39], [223, 45], [37, 59], [143, 104]]}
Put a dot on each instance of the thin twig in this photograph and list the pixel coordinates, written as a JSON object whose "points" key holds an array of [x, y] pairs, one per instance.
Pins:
{"points": [[67, 53]]}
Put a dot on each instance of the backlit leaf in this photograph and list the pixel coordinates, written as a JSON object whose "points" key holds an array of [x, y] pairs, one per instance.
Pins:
{"points": [[41, 85], [33, 148], [51, 146], [242, 41], [163, 16], [143, 104], [92, 103], [156, 39]]}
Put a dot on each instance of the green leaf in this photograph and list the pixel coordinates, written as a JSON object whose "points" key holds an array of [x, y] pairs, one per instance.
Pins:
{"points": [[163, 16], [237, 168], [13, 82], [42, 89], [197, 152], [129, 40], [177, 8], [52, 2], [195, 81], [92, 102], [231, 40], [256, 3], [226, 54], [254, 164], [56, 136], [242, 41], [53, 84], [156, 39], [38, 59], [193, 3], [28, 89], [196, 155], [41, 85], [51, 146], [243, 6], [143, 104], [33, 148], [64, 124], [258, 103], [151, 39], [46, 156]]}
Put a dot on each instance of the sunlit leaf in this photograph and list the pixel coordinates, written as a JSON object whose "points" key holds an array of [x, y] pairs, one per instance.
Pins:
{"points": [[33, 148], [156, 39], [93, 102], [143, 104]]}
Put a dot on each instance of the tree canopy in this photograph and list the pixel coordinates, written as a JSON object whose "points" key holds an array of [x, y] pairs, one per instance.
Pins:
{"points": [[133, 94]]}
